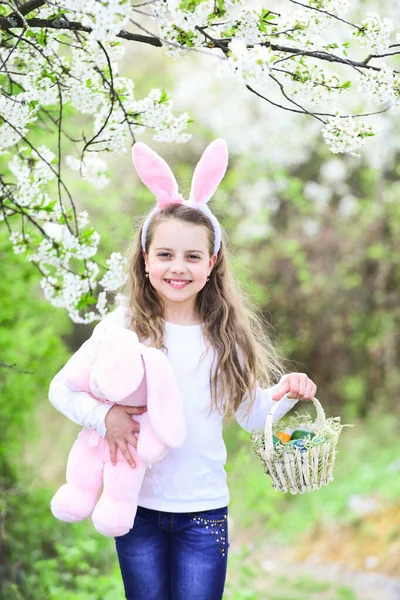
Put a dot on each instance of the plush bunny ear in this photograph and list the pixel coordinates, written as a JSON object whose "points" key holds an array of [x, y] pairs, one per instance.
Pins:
{"points": [[209, 172], [155, 174], [164, 403]]}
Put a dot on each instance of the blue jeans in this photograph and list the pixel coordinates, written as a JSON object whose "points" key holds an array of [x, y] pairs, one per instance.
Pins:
{"points": [[175, 556]]}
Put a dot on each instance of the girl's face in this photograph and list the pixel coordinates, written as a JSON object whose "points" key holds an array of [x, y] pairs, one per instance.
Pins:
{"points": [[178, 262]]}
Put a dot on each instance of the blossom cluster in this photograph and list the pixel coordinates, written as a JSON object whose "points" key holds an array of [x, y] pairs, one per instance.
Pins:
{"points": [[334, 7], [92, 168], [59, 242], [54, 246], [346, 134], [383, 87], [253, 46], [250, 65], [106, 18], [313, 81], [375, 33], [85, 81]]}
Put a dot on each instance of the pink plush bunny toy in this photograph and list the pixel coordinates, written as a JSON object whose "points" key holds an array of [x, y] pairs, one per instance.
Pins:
{"points": [[129, 373]]}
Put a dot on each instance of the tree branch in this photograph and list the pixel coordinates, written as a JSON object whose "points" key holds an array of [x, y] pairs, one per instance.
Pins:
{"points": [[14, 368], [28, 7], [14, 21]]}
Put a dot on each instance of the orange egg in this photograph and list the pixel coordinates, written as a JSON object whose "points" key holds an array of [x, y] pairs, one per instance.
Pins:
{"points": [[284, 437]]}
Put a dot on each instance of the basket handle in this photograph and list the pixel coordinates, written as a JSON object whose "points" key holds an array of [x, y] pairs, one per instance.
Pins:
{"points": [[268, 441]]}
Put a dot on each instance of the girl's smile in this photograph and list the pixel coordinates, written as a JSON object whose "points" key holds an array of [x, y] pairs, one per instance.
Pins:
{"points": [[178, 283]]}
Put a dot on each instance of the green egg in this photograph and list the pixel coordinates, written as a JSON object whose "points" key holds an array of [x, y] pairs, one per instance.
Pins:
{"points": [[299, 434], [276, 440], [290, 443]]}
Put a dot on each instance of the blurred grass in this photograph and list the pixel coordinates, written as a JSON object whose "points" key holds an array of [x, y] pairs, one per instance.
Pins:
{"points": [[366, 466]]}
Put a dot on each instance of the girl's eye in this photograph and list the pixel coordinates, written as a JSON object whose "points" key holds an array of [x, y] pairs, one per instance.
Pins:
{"points": [[191, 256]]}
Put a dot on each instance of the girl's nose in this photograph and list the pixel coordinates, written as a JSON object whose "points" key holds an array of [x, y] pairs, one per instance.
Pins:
{"points": [[178, 268]]}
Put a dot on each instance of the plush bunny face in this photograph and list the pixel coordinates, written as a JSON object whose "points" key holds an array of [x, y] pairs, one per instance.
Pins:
{"points": [[129, 373], [118, 370]]}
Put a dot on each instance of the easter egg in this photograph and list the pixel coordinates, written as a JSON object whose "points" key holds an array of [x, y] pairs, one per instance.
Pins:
{"points": [[299, 434], [276, 440], [297, 445], [283, 436], [320, 440], [288, 430]]}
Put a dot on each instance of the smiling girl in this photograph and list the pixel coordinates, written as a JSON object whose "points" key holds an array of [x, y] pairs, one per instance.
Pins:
{"points": [[183, 300]]}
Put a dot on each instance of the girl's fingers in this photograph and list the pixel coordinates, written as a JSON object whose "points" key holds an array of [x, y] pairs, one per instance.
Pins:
{"points": [[302, 387], [132, 440], [135, 427], [123, 446], [294, 385], [282, 389], [310, 390], [113, 452], [135, 410]]}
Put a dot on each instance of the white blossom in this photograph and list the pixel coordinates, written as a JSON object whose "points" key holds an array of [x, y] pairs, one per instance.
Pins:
{"points": [[319, 194], [335, 7], [116, 275], [32, 171], [105, 17], [83, 219], [16, 115], [374, 33], [346, 134], [92, 168], [348, 206], [54, 231], [333, 171], [383, 86], [310, 227], [101, 304], [20, 242], [250, 65]]}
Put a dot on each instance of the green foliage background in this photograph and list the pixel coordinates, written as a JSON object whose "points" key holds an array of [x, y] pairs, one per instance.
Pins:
{"points": [[333, 300]]}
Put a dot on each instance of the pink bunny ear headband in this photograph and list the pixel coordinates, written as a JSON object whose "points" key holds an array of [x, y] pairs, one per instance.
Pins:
{"points": [[158, 177]]}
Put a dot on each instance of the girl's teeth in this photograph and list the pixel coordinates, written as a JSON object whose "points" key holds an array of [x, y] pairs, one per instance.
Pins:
{"points": [[177, 283]]}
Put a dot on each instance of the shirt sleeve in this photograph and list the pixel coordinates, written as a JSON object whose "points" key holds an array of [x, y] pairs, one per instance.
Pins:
{"points": [[255, 419], [81, 407]]}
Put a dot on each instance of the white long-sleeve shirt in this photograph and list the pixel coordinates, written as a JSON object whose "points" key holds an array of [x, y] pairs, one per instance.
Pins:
{"points": [[190, 478]]}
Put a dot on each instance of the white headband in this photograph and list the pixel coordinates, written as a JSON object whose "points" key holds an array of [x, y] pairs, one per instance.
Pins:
{"points": [[158, 177]]}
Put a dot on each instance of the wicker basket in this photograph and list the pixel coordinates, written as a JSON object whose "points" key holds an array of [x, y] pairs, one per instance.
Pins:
{"points": [[299, 469]]}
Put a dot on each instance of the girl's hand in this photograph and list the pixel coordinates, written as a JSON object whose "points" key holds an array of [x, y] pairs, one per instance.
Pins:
{"points": [[121, 429], [295, 385]]}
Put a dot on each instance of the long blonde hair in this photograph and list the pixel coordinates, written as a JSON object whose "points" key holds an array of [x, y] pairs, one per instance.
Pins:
{"points": [[243, 353]]}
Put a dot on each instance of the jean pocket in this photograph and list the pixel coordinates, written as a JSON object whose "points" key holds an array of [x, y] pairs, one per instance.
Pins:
{"points": [[216, 515], [213, 524]]}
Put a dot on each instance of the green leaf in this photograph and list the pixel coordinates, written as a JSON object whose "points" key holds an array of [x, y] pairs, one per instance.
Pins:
{"points": [[164, 96], [85, 300], [87, 234], [49, 207]]}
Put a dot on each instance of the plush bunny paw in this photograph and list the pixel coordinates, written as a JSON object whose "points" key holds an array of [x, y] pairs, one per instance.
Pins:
{"points": [[72, 504], [113, 517]]}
